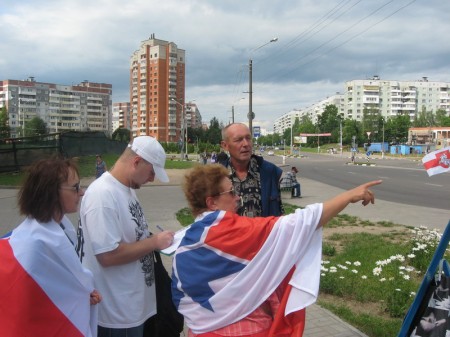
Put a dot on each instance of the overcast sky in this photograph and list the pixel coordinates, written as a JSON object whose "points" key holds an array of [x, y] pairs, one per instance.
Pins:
{"points": [[321, 44]]}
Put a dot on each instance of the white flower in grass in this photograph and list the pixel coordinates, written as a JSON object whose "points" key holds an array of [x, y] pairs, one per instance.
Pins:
{"points": [[401, 267], [364, 277], [398, 289], [348, 262], [377, 271], [357, 263], [411, 256], [322, 274], [323, 268], [382, 279], [333, 270], [406, 277], [354, 271], [341, 277], [412, 293]]}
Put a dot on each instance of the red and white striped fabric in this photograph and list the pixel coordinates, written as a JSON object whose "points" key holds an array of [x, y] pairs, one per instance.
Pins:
{"points": [[44, 290], [437, 161]]}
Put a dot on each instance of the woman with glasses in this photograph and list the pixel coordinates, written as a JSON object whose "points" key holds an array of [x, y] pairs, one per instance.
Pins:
{"points": [[43, 282], [239, 276]]}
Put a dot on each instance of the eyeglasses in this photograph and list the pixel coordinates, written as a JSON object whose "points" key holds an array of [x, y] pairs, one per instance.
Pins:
{"points": [[231, 192], [75, 187]]}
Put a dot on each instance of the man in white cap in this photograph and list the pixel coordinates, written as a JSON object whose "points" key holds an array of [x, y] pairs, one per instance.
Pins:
{"points": [[114, 241]]}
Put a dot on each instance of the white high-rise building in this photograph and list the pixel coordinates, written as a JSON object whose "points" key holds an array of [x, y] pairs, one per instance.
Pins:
{"points": [[392, 98]]}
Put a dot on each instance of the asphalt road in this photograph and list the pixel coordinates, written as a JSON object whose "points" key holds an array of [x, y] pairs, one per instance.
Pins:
{"points": [[404, 181]]}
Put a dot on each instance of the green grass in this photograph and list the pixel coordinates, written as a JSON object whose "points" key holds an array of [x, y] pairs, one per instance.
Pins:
{"points": [[86, 167], [374, 301]]}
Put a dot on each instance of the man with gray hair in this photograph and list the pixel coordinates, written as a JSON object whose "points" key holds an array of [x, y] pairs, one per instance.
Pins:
{"points": [[115, 243], [256, 180]]}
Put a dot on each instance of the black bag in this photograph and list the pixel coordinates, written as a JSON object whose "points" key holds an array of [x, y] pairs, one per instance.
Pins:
{"points": [[168, 321]]}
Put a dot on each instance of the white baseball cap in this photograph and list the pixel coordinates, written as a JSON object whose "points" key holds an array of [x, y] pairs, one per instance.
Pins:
{"points": [[151, 150]]}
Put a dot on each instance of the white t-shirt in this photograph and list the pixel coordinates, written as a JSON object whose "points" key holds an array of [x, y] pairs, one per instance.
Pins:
{"points": [[110, 213]]}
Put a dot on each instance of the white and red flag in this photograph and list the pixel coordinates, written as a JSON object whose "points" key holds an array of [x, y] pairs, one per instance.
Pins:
{"points": [[437, 161], [44, 290]]}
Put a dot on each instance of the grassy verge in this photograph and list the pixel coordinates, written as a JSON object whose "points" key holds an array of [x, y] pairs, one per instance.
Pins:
{"points": [[370, 271], [86, 166]]}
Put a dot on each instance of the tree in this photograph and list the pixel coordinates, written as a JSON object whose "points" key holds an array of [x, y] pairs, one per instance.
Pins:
{"points": [[35, 127], [396, 129], [214, 133], [5, 130], [122, 135], [307, 126], [442, 118], [352, 128], [329, 121]]}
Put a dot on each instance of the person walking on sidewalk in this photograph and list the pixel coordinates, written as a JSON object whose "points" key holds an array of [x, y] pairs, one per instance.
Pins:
{"points": [[118, 246], [255, 180]]}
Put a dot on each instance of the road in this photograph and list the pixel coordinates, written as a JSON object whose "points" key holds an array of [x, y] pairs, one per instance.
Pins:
{"points": [[404, 181]]}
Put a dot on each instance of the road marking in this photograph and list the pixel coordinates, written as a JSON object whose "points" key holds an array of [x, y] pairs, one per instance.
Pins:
{"points": [[437, 185]]}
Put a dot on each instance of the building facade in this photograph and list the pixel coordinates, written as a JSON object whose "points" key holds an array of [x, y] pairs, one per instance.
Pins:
{"points": [[312, 112], [438, 136], [121, 117], [392, 98], [157, 90], [193, 116], [82, 107]]}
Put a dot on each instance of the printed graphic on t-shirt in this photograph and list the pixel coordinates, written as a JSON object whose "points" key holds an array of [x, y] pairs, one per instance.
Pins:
{"points": [[141, 230]]}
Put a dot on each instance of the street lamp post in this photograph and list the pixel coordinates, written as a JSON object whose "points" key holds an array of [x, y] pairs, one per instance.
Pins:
{"points": [[251, 115], [182, 124], [292, 124]]}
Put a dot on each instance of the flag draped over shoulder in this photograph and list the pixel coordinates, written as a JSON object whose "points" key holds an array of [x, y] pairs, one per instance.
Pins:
{"points": [[228, 265], [437, 161], [44, 289]]}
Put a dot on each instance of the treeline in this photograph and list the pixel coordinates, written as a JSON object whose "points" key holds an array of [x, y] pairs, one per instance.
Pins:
{"points": [[393, 130]]}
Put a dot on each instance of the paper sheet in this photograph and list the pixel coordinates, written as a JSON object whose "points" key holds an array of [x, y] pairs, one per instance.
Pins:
{"points": [[176, 241]]}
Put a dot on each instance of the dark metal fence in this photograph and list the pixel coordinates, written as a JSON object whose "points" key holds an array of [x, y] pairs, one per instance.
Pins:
{"points": [[17, 153]]}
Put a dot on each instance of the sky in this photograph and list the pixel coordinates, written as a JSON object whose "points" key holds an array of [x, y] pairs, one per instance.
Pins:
{"points": [[321, 45]]}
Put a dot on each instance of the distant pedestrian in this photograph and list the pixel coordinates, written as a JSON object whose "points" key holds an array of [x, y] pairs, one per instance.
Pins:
{"points": [[100, 166]]}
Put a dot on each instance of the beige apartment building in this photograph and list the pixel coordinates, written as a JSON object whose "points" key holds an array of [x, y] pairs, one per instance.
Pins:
{"points": [[392, 98], [157, 90], [82, 107]]}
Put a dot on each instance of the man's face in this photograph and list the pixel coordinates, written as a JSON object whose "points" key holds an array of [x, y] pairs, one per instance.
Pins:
{"points": [[238, 143]]}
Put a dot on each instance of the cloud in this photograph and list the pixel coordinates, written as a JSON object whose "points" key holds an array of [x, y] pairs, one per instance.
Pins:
{"points": [[321, 45]]}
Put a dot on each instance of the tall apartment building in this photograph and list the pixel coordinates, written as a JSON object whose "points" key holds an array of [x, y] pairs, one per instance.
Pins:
{"points": [[82, 107], [392, 98], [157, 90], [193, 116], [121, 117]]}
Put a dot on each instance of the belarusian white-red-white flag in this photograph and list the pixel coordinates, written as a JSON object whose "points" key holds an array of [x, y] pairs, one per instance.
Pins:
{"points": [[437, 161]]}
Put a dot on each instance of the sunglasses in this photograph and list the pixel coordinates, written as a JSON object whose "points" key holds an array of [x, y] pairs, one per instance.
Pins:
{"points": [[75, 187]]}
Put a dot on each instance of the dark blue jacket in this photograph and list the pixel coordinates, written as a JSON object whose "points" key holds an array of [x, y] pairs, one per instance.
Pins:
{"points": [[270, 187]]}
